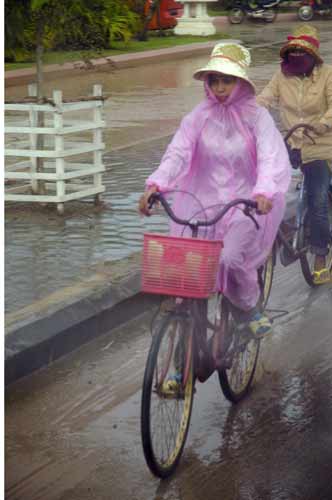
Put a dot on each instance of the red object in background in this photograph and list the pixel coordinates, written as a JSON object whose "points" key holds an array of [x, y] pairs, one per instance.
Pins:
{"points": [[169, 11]]}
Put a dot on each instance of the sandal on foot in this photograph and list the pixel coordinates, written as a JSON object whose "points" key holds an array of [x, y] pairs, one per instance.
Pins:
{"points": [[321, 277], [260, 325]]}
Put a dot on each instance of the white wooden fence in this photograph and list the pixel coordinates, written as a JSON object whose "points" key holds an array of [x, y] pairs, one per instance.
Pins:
{"points": [[60, 179]]}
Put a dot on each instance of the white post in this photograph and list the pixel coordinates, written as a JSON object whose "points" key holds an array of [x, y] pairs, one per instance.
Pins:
{"points": [[195, 19], [192, 10], [59, 178], [58, 147], [202, 10], [97, 141], [33, 119], [186, 10]]}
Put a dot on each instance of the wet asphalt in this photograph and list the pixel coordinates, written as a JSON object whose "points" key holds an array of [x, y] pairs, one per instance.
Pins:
{"points": [[73, 429]]}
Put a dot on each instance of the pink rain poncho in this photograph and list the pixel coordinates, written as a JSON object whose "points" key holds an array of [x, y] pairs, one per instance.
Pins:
{"points": [[220, 152]]}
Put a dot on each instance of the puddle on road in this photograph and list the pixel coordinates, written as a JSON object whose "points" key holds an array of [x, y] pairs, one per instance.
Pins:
{"points": [[45, 252]]}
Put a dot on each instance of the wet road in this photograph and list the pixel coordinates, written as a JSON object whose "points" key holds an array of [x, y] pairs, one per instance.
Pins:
{"points": [[72, 430]]}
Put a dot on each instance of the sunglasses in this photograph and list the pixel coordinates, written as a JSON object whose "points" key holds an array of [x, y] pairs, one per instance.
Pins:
{"points": [[225, 79]]}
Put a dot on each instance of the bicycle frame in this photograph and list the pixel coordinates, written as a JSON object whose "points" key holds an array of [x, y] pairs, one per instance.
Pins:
{"points": [[195, 311], [293, 248], [300, 211], [191, 307]]}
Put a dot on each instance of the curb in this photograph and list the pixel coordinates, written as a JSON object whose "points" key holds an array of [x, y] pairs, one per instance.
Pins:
{"points": [[134, 59], [57, 325], [43, 332]]}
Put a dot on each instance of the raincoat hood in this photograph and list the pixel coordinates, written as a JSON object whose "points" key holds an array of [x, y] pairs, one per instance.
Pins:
{"points": [[238, 111]]}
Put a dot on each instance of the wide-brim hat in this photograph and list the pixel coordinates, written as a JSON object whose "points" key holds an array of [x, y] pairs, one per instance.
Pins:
{"points": [[304, 37], [228, 58]]}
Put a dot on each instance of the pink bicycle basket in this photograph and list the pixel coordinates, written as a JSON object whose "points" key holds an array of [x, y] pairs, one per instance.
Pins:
{"points": [[182, 267]]}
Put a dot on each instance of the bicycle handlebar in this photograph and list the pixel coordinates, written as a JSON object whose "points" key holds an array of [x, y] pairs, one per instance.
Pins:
{"points": [[249, 204], [307, 128]]}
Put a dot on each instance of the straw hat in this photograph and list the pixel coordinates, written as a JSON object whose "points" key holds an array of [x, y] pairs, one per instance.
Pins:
{"points": [[228, 58], [304, 37]]}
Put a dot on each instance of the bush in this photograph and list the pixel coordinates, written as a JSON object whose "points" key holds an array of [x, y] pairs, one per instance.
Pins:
{"points": [[68, 24]]}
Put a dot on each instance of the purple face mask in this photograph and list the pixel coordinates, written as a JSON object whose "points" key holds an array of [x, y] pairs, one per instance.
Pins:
{"points": [[298, 64]]}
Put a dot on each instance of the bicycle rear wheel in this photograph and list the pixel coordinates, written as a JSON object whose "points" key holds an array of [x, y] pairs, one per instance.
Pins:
{"points": [[167, 396], [241, 360]]}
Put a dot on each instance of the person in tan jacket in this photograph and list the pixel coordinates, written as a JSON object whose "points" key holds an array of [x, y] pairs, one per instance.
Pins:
{"points": [[301, 90]]}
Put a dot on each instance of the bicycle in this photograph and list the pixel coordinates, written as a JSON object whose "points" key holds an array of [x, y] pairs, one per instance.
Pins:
{"points": [[187, 343], [293, 239]]}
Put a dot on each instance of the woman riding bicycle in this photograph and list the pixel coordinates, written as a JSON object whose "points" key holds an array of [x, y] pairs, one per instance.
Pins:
{"points": [[302, 91], [228, 147]]}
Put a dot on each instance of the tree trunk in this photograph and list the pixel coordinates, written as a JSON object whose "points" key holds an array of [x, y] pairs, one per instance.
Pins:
{"points": [[153, 8], [161, 31], [40, 95]]}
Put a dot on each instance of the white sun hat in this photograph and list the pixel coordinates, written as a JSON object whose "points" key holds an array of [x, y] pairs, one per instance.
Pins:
{"points": [[228, 58]]}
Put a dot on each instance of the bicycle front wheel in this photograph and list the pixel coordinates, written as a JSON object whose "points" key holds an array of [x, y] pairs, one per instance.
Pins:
{"points": [[306, 258], [167, 396], [241, 359]]}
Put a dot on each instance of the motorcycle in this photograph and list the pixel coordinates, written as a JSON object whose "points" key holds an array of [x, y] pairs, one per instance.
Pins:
{"points": [[309, 8], [260, 9]]}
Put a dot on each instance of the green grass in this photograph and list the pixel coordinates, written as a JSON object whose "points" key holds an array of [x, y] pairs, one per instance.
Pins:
{"points": [[154, 42]]}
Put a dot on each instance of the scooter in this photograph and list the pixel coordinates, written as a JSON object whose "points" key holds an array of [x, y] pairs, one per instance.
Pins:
{"points": [[260, 9], [309, 8]]}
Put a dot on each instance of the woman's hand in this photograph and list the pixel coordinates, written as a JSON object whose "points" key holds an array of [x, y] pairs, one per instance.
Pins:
{"points": [[320, 128], [143, 205], [264, 205]]}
